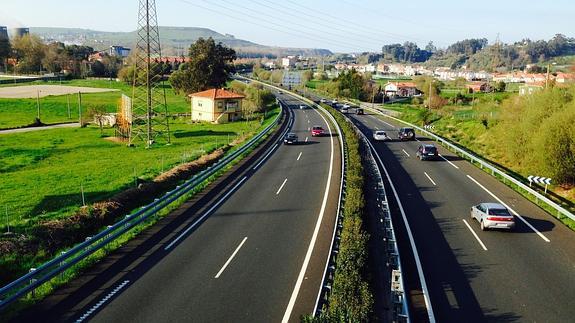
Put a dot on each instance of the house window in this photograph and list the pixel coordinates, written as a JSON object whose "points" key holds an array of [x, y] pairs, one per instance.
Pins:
{"points": [[200, 104]]}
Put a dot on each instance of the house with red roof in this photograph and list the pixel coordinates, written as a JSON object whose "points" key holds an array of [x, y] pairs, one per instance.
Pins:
{"points": [[401, 89], [216, 105]]}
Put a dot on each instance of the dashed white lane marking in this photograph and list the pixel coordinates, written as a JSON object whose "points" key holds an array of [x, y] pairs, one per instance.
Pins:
{"points": [[510, 209], [432, 182], [183, 234], [230, 259], [306, 138], [308, 121], [452, 164], [405, 152], [282, 186], [475, 235], [102, 301], [299, 156]]}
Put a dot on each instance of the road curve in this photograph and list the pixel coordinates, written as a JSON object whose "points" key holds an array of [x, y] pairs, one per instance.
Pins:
{"points": [[240, 262]]}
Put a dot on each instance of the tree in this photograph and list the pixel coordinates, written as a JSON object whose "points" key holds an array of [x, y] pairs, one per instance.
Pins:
{"points": [[307, 76], [55, 57], [209, 67], [29, 51]]}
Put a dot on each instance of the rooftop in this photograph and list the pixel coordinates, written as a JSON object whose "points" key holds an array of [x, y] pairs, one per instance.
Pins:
{"points": [[216, 94]]}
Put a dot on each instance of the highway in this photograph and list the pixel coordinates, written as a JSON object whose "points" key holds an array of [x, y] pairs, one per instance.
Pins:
{"points": [[255, 250], [471, 275]]}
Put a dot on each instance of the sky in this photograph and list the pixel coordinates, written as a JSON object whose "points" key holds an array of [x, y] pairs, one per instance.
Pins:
{"points": [[338, 25]]}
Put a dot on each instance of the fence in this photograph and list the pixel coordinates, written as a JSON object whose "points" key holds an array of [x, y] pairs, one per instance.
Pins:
{"points": [[38, 276], [495, 172]]}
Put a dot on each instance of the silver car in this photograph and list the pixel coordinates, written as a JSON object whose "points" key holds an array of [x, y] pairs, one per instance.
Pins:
{"points": [[493, 215], [380, 135]]}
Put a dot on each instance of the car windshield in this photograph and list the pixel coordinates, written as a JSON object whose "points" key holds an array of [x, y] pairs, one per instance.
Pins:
{"points": [[430, 149], [380, 133], [317, 128], [499, 212]]}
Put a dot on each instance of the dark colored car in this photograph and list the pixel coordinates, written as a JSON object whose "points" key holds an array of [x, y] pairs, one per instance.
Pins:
{"points": [[406, 134], [358, 111], [290, 139], [425, 152]]}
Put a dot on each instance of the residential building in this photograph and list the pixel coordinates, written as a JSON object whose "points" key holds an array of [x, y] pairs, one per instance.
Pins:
{"points": [[120, 51], [565, 78], [478, 87], [401, 89], [216, 105], [288, 62]]}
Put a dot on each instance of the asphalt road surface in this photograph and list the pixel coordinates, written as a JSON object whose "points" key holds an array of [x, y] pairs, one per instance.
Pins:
{"points": [[258, 255], [527, 275]]}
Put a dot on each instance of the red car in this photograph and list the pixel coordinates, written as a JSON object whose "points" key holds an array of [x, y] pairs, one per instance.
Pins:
{"points": [[317, 131]]}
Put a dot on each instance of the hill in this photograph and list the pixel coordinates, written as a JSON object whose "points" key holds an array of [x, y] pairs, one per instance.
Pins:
{"points": [[174, 40]]}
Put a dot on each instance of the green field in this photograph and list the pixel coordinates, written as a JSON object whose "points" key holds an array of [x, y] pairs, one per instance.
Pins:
{"points": [[54, 109], [43, 178]]}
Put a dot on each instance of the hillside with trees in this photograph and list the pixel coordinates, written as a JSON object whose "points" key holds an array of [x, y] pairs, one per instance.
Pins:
{"points": [[477, 54]]}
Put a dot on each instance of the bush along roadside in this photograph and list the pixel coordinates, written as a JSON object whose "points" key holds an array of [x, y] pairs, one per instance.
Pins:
{"points": [[351, 299], [92, 218]]}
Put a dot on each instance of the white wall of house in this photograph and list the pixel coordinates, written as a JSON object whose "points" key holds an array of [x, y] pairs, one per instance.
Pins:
{"points": [[202, 109]]}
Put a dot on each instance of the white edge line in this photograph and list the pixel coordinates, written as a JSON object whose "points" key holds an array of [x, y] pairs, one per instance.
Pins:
{"points": [[299, 156], [430, 314], [230, 259], [102, 301], [282, 186], [301, 275], [432, 182], [405, 152], [452, 164], [265, 157], [512, 211], [205, 214], [475, 235]]}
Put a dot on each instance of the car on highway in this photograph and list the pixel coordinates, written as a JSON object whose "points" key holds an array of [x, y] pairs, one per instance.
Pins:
{"points": [[380, 135], [317, 131], [290, 139], [427, 151], [303, 107], [406, 134], [280, 92], [344, 109], [493, 216], [323, 100], [359, 111]]}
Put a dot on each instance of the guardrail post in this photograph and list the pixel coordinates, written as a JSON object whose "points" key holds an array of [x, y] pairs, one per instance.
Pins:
{"points": [[32, 281], [62, 263]]}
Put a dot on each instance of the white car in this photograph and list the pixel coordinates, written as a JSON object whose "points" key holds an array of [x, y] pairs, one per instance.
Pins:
{"points": [[323, 100], [493, 215], [380, 135], [346, 106], [303, 107]]}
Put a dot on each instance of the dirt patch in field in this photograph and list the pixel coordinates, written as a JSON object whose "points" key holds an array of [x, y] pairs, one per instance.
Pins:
{"points": [[31, 91]]}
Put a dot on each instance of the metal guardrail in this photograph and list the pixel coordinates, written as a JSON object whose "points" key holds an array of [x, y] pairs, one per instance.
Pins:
{"points": [[483, 164], [399, 301], [38, 276]]}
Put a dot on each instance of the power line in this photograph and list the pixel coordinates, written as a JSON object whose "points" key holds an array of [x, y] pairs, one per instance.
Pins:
{"points": [[290, 25], [331, 26], [269, 26]]}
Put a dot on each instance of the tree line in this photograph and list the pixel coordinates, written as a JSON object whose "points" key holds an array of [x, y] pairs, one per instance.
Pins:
{"points": [[476, 53], [29, 54]]}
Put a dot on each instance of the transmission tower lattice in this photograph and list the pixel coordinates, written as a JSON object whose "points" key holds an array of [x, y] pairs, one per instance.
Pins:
{"points": [[149, 107]]}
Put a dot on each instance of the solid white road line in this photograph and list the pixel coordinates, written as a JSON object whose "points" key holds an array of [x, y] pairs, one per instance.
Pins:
{"points": [[299, 156], [432, 182], [312, 242], [510, 209], [405, 152], [102, 301], [265, 157], [230, 259], [428, 304], [452, 164], [282, 186], [475, 235], [183, 234]]}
